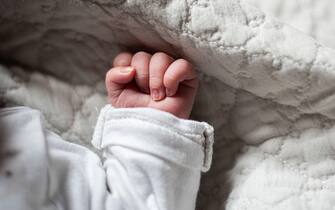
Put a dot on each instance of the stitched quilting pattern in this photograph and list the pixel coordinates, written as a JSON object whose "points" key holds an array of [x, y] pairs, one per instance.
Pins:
{"points": [[267, 83]]}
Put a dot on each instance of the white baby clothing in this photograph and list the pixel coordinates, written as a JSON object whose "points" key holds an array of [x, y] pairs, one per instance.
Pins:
{"points": [[152, 160]]}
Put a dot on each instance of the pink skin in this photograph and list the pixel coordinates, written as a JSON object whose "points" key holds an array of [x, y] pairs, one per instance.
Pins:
{"points": [[156, 81]]}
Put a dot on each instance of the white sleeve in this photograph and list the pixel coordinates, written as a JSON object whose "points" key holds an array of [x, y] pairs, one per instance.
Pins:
{"points": [[153, 160]]}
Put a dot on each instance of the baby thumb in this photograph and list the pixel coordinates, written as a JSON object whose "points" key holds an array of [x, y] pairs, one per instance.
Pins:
{"points": [[117, 78]]}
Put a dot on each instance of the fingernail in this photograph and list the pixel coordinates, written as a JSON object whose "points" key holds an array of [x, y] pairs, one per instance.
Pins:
{"points": [[169, 92], [156, 94], [127, 70]]}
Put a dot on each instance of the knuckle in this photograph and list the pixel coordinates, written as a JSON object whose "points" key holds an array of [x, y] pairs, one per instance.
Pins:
{"points": [[184, 64], [159, 54], [122, 59], [162, 55], [141, 54]]}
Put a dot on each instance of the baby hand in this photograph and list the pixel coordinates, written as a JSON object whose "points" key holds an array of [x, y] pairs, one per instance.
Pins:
{"points": [[156, 81]]}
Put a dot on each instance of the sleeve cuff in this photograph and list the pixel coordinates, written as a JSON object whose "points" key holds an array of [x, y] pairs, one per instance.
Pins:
{"points": [[189, 142]]}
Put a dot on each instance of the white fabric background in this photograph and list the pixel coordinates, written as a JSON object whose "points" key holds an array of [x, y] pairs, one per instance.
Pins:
{"points": [[267, 85]]}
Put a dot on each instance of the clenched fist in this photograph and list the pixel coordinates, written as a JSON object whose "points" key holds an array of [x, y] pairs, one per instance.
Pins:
{"points": [[156, 81]]}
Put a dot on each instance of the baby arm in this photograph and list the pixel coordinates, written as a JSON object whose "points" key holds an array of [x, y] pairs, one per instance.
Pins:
{"points": [[154, 155]]}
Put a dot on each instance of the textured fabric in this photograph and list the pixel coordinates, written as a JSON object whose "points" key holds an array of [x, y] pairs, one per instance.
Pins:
{"points": [[147, 165], [267, 83]]}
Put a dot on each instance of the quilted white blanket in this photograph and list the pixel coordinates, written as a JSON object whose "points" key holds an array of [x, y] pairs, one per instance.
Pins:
{"points": [[267, 84]]}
